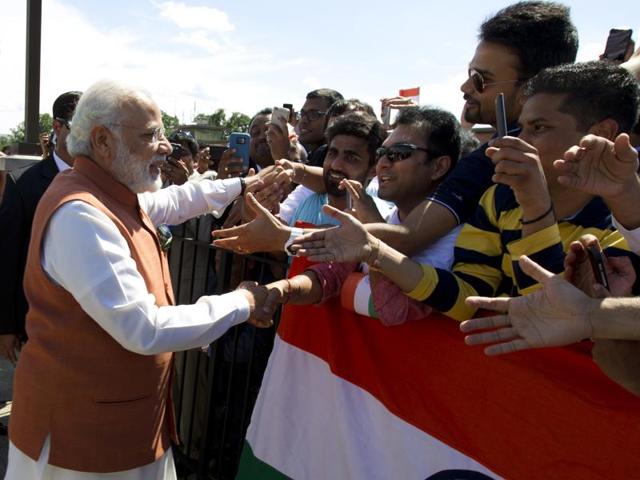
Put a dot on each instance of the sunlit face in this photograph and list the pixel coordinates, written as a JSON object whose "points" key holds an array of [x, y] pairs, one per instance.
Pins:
{"points": [[259, 148], [495, 63], [549, 130], [140, 151], [405, 182], [347, 157], [312, 120]]}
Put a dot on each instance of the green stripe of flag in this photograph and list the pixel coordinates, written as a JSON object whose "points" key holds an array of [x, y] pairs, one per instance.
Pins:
{"points": [[252, 468]]}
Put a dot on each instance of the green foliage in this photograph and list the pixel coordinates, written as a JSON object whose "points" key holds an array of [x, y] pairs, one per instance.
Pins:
{"points": [[237, 122], [170, 123], [17, 134]]}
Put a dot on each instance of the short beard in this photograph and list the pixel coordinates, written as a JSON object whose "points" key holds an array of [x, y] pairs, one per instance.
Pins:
{"points": [[331, 187], [127, 170]]}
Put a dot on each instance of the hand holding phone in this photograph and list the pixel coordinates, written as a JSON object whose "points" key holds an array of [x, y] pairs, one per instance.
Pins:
{"points": [[241, 143], [618, 44], [597, 261], [280, 118]]}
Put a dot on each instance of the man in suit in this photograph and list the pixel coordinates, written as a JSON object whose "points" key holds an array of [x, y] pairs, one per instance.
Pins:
{"points": [[23, 190]]}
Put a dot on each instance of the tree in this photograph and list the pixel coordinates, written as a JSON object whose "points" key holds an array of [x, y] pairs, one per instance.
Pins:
{"points": [[238, 122], [170, 123], [17, 134]]}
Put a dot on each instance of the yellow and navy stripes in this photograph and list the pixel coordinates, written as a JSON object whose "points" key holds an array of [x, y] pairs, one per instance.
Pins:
{"points": [[490, 244]]}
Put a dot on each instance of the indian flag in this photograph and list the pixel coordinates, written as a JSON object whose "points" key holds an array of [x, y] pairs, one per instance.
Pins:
{"points": [[345, 397], [412, 93]]}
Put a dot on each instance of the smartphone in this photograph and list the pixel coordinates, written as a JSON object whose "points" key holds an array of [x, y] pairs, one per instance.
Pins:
{"points": [[279, 116], [501, 116], [596, 258], [617, 44], [292, 116], [386, 117], [178, 151], [241, 142]]}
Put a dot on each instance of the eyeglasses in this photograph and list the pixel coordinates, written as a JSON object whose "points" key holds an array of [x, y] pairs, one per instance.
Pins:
{"points": [[399, 151], [312, 115], [156, 135], [64, 122], [479, 82]]}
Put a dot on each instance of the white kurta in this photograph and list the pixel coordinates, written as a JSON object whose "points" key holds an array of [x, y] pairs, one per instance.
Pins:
{"points": [[84, 252]]}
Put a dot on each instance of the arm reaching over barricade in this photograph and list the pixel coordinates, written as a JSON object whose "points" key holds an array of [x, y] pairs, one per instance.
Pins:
{"points": [[608, 169]]}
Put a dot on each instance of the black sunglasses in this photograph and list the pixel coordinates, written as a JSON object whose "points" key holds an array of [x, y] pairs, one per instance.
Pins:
{"points": [[479, 83], [399, 151]]}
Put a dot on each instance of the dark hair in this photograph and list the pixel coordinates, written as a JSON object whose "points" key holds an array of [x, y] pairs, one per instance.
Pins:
{"points": [[186, 139], [65, 105], [440, 128], [468, 142], [594, 91], [264, 111], [342, 106], [362, 126], [326, 94], [539, 33]]}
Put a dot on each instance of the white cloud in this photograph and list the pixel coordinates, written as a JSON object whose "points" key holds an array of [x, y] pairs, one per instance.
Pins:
{"points": [[185, 16], [199, 38]]}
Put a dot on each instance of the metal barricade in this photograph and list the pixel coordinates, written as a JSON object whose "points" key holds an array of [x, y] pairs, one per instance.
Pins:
{"points": [[215, 389]]}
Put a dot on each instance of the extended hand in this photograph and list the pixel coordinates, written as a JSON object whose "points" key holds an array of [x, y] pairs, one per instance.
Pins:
{"points": [[264, 233], [348, 242], [362, 205], [555, 315], [599, 166], [256, 295]]}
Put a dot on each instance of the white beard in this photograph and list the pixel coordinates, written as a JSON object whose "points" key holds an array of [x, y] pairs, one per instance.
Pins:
{"points": [[138, 177]]}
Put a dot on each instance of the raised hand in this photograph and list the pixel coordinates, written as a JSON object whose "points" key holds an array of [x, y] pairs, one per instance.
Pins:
{"points": [[175, 171], [517, 165], [278, 140], [599, 166], [265, 233], [230, 166], [348, 242], [577, 270], [362, 205], [555, 315]]}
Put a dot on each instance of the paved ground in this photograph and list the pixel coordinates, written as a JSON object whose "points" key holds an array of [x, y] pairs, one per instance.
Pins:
{"points": [[6, 380]]}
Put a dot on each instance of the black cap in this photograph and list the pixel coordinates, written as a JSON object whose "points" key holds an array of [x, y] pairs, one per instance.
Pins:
{"points": [[186, 139], [65, 105]]}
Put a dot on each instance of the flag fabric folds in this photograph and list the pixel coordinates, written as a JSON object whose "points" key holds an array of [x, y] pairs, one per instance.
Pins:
{"points": [[345, 397]]}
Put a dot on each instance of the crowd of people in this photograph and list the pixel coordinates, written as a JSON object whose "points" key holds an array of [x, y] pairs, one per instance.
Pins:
{"points": [[430, 219]]}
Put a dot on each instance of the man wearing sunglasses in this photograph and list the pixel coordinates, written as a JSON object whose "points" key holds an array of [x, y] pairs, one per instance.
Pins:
{"points": [[24, 188], [515, 44]]}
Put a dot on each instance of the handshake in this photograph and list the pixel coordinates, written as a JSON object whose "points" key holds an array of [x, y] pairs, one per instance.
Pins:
{"points": [[264, 300]]}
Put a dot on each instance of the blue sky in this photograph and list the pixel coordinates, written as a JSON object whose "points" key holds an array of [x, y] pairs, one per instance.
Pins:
{"points": [[244, 55]]}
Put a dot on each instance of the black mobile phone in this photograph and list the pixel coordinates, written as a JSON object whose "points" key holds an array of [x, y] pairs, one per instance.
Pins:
{"points": [[596, 259], [292, 114], [617, 44], [178, 151], [501, 116]]}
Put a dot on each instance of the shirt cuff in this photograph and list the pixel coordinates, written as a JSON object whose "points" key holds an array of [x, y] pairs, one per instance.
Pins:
{"points": [[233, 304], [427, 284], [631, 236], [535, 242]]}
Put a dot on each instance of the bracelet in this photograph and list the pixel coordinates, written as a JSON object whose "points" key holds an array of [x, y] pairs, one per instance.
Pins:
{"points": [[243, 185], [288, 292], [537, 219], [295, 233]]}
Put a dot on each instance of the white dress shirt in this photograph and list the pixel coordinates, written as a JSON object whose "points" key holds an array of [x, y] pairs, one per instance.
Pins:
{"points": [[84, 253]]}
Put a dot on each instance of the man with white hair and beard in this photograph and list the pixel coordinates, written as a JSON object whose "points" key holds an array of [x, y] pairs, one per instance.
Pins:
{"points": [[91, 390]]}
